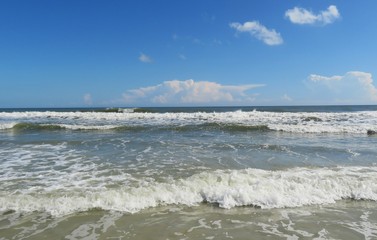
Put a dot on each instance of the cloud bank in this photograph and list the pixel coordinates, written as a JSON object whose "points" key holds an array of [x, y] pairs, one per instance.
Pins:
{"points": [[257, 30], [189, 92], [353, 87], [302, 16]]}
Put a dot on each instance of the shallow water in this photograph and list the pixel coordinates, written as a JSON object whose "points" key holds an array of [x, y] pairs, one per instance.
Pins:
{"points": [[343, 220], [284, 173]]}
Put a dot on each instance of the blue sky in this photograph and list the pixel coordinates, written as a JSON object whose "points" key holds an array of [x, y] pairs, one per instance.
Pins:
{"points": [[187, 53]]}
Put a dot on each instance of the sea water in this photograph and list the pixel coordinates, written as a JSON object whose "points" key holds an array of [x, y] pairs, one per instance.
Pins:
{"points": [[189, 173]]}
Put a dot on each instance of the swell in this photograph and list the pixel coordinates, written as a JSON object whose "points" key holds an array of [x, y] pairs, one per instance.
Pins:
{"points": [[222, 126], [36, 127], [118, 110], [238, 121], [28, 127], [23, 127], [209, 126]]}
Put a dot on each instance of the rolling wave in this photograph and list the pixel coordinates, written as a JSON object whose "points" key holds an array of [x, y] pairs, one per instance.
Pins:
{"points": [[227, 188], [23, 126], [227, 127], [294, 122]]}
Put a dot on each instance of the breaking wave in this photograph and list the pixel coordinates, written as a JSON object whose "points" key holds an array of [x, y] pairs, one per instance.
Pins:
{"points": [[227, 188], [294, 122], [20, 127]]}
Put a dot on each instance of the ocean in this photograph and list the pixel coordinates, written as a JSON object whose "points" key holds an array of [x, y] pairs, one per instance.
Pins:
{"points": [[189, 173]]}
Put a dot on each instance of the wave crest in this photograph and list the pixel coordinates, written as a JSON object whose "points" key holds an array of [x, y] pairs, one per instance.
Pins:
{"points": [[232, 188], [297, 122]]}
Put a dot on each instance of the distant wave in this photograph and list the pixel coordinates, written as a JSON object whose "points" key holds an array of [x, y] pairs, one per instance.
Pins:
{"points": [[227, 188], [221, 126], [118, 110], [34, 126], [294, 122], [227, 127], [22, 127]]}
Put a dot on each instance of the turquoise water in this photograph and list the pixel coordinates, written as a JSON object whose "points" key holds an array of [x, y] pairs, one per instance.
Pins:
{"points": [[189, 173]]}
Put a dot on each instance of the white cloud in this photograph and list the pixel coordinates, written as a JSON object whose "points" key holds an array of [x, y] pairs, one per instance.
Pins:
{"points": [[88, 99], [269, 37], [354, 87], [318, 78], [182, 57], [189, 92], [302, 16], [145, 58], [286, 98], [328, 81]]}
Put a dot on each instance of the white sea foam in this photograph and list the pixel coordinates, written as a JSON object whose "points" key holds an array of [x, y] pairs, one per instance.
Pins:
{"points": [[227, 188], [300, 122], [86, 127], [8, 125]]}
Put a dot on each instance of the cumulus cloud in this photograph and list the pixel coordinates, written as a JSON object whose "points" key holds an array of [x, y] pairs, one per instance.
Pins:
{"points": [[189, 92], [145, 58], [319, 78], [353, 87], [257, 30], [303, 16], [88, 99]]}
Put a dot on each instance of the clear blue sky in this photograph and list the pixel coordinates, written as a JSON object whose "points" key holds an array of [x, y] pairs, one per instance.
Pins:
{"points": [[187, 53]]}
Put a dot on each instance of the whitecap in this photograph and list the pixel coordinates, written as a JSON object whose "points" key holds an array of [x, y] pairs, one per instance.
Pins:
{"points": [[250, 187]]}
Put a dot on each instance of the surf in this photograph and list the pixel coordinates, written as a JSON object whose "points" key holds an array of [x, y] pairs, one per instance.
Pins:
{"points": [[290, 188]]}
